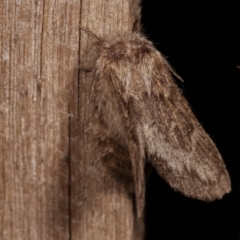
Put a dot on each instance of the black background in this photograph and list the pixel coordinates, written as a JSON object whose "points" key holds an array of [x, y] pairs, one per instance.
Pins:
{"points": [[202, 43]]}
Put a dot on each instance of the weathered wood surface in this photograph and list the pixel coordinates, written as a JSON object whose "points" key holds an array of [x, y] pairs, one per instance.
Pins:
{"points": [[51, 186]]}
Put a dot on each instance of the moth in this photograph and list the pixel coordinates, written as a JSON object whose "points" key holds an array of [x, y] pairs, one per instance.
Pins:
{"points": [[141, 117]]}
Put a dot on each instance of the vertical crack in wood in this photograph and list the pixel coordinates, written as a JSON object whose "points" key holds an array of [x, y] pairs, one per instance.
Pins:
{"points": [[42, 35], [69, 178], [79, 50]]}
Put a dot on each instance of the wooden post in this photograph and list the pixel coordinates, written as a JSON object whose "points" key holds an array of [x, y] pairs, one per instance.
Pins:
{"points": [[51, 186]]}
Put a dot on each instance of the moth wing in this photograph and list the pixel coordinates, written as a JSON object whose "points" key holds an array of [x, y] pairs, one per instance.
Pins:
{"points": [[176, 144], [117, 113], [134, 140]]}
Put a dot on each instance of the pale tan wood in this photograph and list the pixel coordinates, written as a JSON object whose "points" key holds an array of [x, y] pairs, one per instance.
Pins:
{"points": [[38, 53], [51, 186]]}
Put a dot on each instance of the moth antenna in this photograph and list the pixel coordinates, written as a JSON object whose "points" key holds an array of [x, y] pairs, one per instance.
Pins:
{"points": [[90, 32], [87, 69]]}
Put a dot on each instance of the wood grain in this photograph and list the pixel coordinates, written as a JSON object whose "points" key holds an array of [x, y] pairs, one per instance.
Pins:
{"points": [[51, 186]]}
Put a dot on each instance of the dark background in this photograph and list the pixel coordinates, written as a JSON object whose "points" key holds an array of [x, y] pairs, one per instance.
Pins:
{"points": [[202, 43]]}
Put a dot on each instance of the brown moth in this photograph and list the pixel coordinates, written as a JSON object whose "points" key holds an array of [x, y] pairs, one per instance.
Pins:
{"points": [[141, 116]]}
